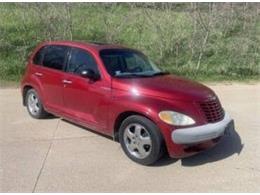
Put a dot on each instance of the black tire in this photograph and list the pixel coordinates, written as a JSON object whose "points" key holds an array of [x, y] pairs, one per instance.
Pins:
{"points": [[41, 113], [155, 136]]}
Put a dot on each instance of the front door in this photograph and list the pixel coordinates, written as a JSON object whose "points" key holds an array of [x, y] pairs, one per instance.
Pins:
{"points": [[85, 100]]}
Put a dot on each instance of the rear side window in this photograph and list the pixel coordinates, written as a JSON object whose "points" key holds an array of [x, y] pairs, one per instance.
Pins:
{"points": [[55, 56], [81, 60]]}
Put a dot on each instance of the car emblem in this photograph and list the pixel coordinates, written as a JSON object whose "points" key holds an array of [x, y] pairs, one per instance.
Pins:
{"points": [[211, 97]]}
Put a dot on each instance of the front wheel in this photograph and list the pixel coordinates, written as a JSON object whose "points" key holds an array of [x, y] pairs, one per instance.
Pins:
{"points": [[141, 140]]}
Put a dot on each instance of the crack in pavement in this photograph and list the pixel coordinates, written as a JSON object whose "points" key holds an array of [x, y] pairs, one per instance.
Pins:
{"points": [[46, 156]]}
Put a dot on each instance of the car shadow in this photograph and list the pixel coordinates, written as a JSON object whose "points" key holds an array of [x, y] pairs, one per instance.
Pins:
{"points": [[164, 161], [229, 145], [49, 116], [87, 129]]}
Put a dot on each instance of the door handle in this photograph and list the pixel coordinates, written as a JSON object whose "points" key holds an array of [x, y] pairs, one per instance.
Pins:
{"points": [[38, 74], [66, 81]]}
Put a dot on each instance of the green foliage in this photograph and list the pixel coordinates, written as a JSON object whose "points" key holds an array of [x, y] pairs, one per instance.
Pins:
{"points": [[204, 41]]}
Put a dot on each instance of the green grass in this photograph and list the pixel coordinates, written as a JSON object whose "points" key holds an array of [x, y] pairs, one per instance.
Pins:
{"points": [[167, 36]]}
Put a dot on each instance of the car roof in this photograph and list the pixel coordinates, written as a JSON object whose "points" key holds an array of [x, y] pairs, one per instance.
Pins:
{"points": [[89, 45]]}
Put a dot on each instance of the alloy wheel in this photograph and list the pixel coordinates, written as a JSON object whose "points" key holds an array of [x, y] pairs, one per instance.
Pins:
{"points": [[33, 104], [137, 140]]}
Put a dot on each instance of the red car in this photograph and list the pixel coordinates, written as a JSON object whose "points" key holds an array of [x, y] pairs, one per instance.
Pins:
{"points": [[119, 92]]}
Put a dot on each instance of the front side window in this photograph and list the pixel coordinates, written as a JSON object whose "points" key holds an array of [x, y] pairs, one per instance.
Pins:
{"points": [[126, 62], [81, 60], [55, 56]]}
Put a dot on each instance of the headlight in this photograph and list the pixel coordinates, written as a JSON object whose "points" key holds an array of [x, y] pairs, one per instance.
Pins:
{"points": [[176, 118]]}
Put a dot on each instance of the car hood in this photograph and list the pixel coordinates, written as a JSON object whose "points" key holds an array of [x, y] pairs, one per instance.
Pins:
{"points": [[165, 86]]}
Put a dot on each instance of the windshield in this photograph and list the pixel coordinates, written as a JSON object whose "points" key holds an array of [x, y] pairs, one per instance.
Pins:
{"points": [[128, 63]]}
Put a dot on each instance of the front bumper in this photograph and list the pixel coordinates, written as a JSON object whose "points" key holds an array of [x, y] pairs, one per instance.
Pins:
{"points": [[201, 133]]}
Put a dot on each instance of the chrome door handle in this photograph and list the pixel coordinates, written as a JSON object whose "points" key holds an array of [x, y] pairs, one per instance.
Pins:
{"points": [[38, 74], [66, 81]]}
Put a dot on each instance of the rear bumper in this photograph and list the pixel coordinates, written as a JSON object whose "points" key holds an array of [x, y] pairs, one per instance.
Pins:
{"points": [[201, 133]]}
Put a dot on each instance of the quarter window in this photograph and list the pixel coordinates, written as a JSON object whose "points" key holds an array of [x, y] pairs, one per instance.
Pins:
{"points": [[39, 57], [55, 56], [81, 60]]}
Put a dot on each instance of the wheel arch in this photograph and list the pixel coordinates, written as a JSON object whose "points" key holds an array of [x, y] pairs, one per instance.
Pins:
{"points": [[26, 88], [121, 117]]}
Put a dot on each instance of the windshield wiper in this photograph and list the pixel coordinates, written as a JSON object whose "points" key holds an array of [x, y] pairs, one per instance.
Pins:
{"points": [[160, 73], [131, 75]]}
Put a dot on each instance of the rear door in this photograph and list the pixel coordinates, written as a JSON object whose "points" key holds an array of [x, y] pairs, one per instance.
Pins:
{"points": [[51, 74]]}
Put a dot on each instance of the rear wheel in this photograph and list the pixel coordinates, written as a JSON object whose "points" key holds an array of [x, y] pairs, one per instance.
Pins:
{"points": [[141, 140], [34, 105]]}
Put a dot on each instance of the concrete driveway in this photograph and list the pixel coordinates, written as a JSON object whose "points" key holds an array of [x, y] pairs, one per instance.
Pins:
{"points": [[53, 155]]}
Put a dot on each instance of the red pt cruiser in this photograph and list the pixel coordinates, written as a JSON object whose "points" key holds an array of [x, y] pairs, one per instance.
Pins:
{"points": [[119, 92]]}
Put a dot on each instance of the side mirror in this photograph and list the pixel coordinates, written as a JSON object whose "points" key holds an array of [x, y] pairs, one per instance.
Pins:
{"points": [[88, 73]]}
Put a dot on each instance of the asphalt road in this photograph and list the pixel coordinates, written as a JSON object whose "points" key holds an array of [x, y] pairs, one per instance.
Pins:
{"points": [[53, 155]]}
